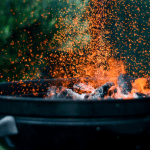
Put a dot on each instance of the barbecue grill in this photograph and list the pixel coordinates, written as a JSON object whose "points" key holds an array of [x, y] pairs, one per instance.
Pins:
{"points": [[38, 123]]}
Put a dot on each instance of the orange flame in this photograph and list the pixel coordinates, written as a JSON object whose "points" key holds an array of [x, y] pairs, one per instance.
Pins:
{"points": [[141, 85], [95, 59]]}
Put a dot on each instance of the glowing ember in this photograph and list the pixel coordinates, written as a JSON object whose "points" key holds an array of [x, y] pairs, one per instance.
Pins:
{"points": [[141, 85], [89, 33], [84, 48], [80, 48], [126, 88], [93, 59]]}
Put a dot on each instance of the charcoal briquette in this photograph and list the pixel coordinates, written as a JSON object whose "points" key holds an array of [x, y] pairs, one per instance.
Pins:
{"points": [[125, 83], [102, 91], [141, 95]]}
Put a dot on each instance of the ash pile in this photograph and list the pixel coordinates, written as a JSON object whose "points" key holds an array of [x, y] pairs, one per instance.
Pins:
{"points": [[127, 88]]}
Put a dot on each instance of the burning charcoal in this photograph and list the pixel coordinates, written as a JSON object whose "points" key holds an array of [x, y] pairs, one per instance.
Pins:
{"points": [[87, 96], [125, 83], [57, 93], [69, 94], [101, 91], [51, 93], [112, 91], [141, 85], [73, 95], [140, 95], [83, 87], [120, 95], [61, 93]]}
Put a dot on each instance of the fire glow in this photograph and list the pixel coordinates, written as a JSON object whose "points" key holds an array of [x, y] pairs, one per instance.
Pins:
{"points": [[80, 49], [84, 50], [126, 88], [94, 60]]}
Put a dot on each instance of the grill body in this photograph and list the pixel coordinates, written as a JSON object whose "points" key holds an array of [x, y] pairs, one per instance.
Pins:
{"points": [[73, 124]]}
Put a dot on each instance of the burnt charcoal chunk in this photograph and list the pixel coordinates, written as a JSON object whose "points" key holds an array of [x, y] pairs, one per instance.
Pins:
{"points": [[51, 93], [73, 95], [141, 95], [102, 91], [125, 83], [62, 93], [112, 91], [83, 87], [55, 93]]}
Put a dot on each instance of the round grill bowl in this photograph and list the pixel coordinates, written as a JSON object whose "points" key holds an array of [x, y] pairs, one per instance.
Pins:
{"points": [[73, 124]]}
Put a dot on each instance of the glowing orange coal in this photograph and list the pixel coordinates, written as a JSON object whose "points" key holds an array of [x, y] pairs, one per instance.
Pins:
{"points": [[141, 85]]}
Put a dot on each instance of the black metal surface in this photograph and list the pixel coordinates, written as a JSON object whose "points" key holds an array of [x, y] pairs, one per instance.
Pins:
{"points": [[82, 134], [73, 124], [37, 106]]}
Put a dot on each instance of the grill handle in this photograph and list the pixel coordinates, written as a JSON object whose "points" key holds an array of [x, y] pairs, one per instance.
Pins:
{"points": [[8, 127]]}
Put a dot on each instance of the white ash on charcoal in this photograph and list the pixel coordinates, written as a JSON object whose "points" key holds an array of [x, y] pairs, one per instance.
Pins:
{"points": [[64, 93], [84, 88], [125, 83], [101, 91], [55, 93], [81, 91], [139, 95], [74, 95]]}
